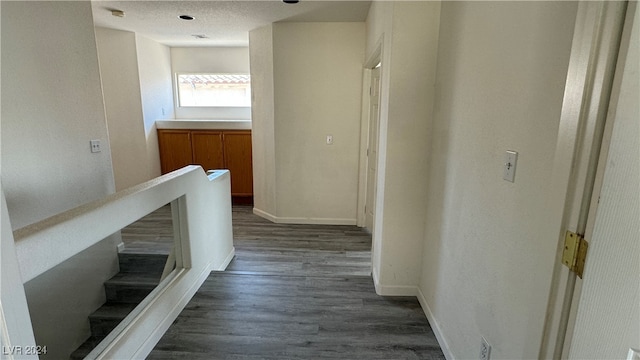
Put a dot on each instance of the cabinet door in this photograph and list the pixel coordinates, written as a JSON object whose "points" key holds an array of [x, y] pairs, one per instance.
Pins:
{"points": [[238, 159], [175, 149], [207, 149]]}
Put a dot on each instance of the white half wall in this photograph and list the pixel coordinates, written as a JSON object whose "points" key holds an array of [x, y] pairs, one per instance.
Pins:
{"points": [[154, 68], [489, 249], [221, 60], [121, 87]]}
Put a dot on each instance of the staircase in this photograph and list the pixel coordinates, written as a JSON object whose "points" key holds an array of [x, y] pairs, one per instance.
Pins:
{"points": [[139, 275]]}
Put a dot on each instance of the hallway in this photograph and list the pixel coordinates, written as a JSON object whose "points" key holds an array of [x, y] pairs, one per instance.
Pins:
{"points": [[297, 292]]}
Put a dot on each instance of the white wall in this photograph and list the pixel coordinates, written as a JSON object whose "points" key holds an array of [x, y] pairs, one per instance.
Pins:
{"points": [[608, 318], [317, 92], [225, 60], [262, 114], [307, 80], [51, 107], [154, 68], [488, 254], [409, 49], [121, 86]]}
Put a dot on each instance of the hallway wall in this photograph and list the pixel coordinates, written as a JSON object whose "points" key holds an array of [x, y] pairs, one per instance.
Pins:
{"points": [[121, 87], [310, 88], [488, 253], [409, 35]]}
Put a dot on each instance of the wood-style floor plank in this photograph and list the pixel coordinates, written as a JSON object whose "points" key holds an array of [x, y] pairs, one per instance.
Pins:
{"points": [[297, 292]]}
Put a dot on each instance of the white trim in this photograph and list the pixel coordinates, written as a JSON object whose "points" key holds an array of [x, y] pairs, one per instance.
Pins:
{"points": [[396, 290], [587, 90], [437, 331], [301, 220], [393, 290], [226, 261], [364, 145], [264, 215]]}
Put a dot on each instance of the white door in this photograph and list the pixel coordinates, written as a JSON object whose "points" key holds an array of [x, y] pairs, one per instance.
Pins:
{"points": [[607, 321], [372, 150]]}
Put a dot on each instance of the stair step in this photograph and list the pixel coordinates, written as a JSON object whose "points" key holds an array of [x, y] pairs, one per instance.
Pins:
{"points": [[130, 288], [139, 275], [108, 317], [142, 263]]}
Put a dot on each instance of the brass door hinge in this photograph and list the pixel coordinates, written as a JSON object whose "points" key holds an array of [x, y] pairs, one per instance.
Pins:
{"points": [[575, 252]]}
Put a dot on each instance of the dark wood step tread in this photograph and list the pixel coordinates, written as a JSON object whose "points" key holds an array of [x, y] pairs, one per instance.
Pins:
{"points": [[111, 310], [129, 279]]}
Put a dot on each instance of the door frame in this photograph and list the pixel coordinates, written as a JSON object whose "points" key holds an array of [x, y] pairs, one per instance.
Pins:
{"points": [[374, 59], [594, 52]]}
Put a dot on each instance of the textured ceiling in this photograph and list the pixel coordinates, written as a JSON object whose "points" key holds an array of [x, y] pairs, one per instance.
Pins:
{"points": [[225, 23]]}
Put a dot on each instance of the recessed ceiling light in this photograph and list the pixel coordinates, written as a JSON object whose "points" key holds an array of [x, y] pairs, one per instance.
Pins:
{"points": [[186, 17], [290, 1]]}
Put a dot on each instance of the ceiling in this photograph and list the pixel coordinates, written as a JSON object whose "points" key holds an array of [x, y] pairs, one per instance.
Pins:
{"points": [[224, 23]]}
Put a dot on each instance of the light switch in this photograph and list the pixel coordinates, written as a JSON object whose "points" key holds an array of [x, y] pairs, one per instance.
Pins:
{"points": [[510, 161]]}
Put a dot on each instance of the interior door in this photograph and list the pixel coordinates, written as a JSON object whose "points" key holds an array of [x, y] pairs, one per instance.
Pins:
{"points": [[372, 150], [607, 321]]}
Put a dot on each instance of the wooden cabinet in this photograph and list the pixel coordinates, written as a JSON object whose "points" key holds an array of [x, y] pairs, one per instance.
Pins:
{"points": [[208, 150], [237, 151], [175, 149], [211, 149]]}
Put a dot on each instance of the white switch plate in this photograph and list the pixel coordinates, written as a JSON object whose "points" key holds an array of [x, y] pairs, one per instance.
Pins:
{"points": [[95, 146], [510, 162], [329, 139], [485, 350]]}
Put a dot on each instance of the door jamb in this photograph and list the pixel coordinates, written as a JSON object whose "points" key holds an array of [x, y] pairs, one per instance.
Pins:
{"points": [[594, 51], [374, 59]]}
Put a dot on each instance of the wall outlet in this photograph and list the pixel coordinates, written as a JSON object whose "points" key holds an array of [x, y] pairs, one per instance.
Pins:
{"points": [[485, 350], [95, 146], [329, 139]]}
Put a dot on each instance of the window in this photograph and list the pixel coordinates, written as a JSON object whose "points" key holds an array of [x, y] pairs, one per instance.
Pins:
{"points": [[214, 90]]}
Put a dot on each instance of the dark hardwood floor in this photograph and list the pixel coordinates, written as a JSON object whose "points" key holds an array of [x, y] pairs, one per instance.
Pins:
{"points": [[297, 292]]}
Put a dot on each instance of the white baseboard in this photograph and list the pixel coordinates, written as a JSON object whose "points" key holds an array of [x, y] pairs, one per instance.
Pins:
{"points": [[392, 290], [226, 261], [434, 325], [264, 215], [299, 220]]}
